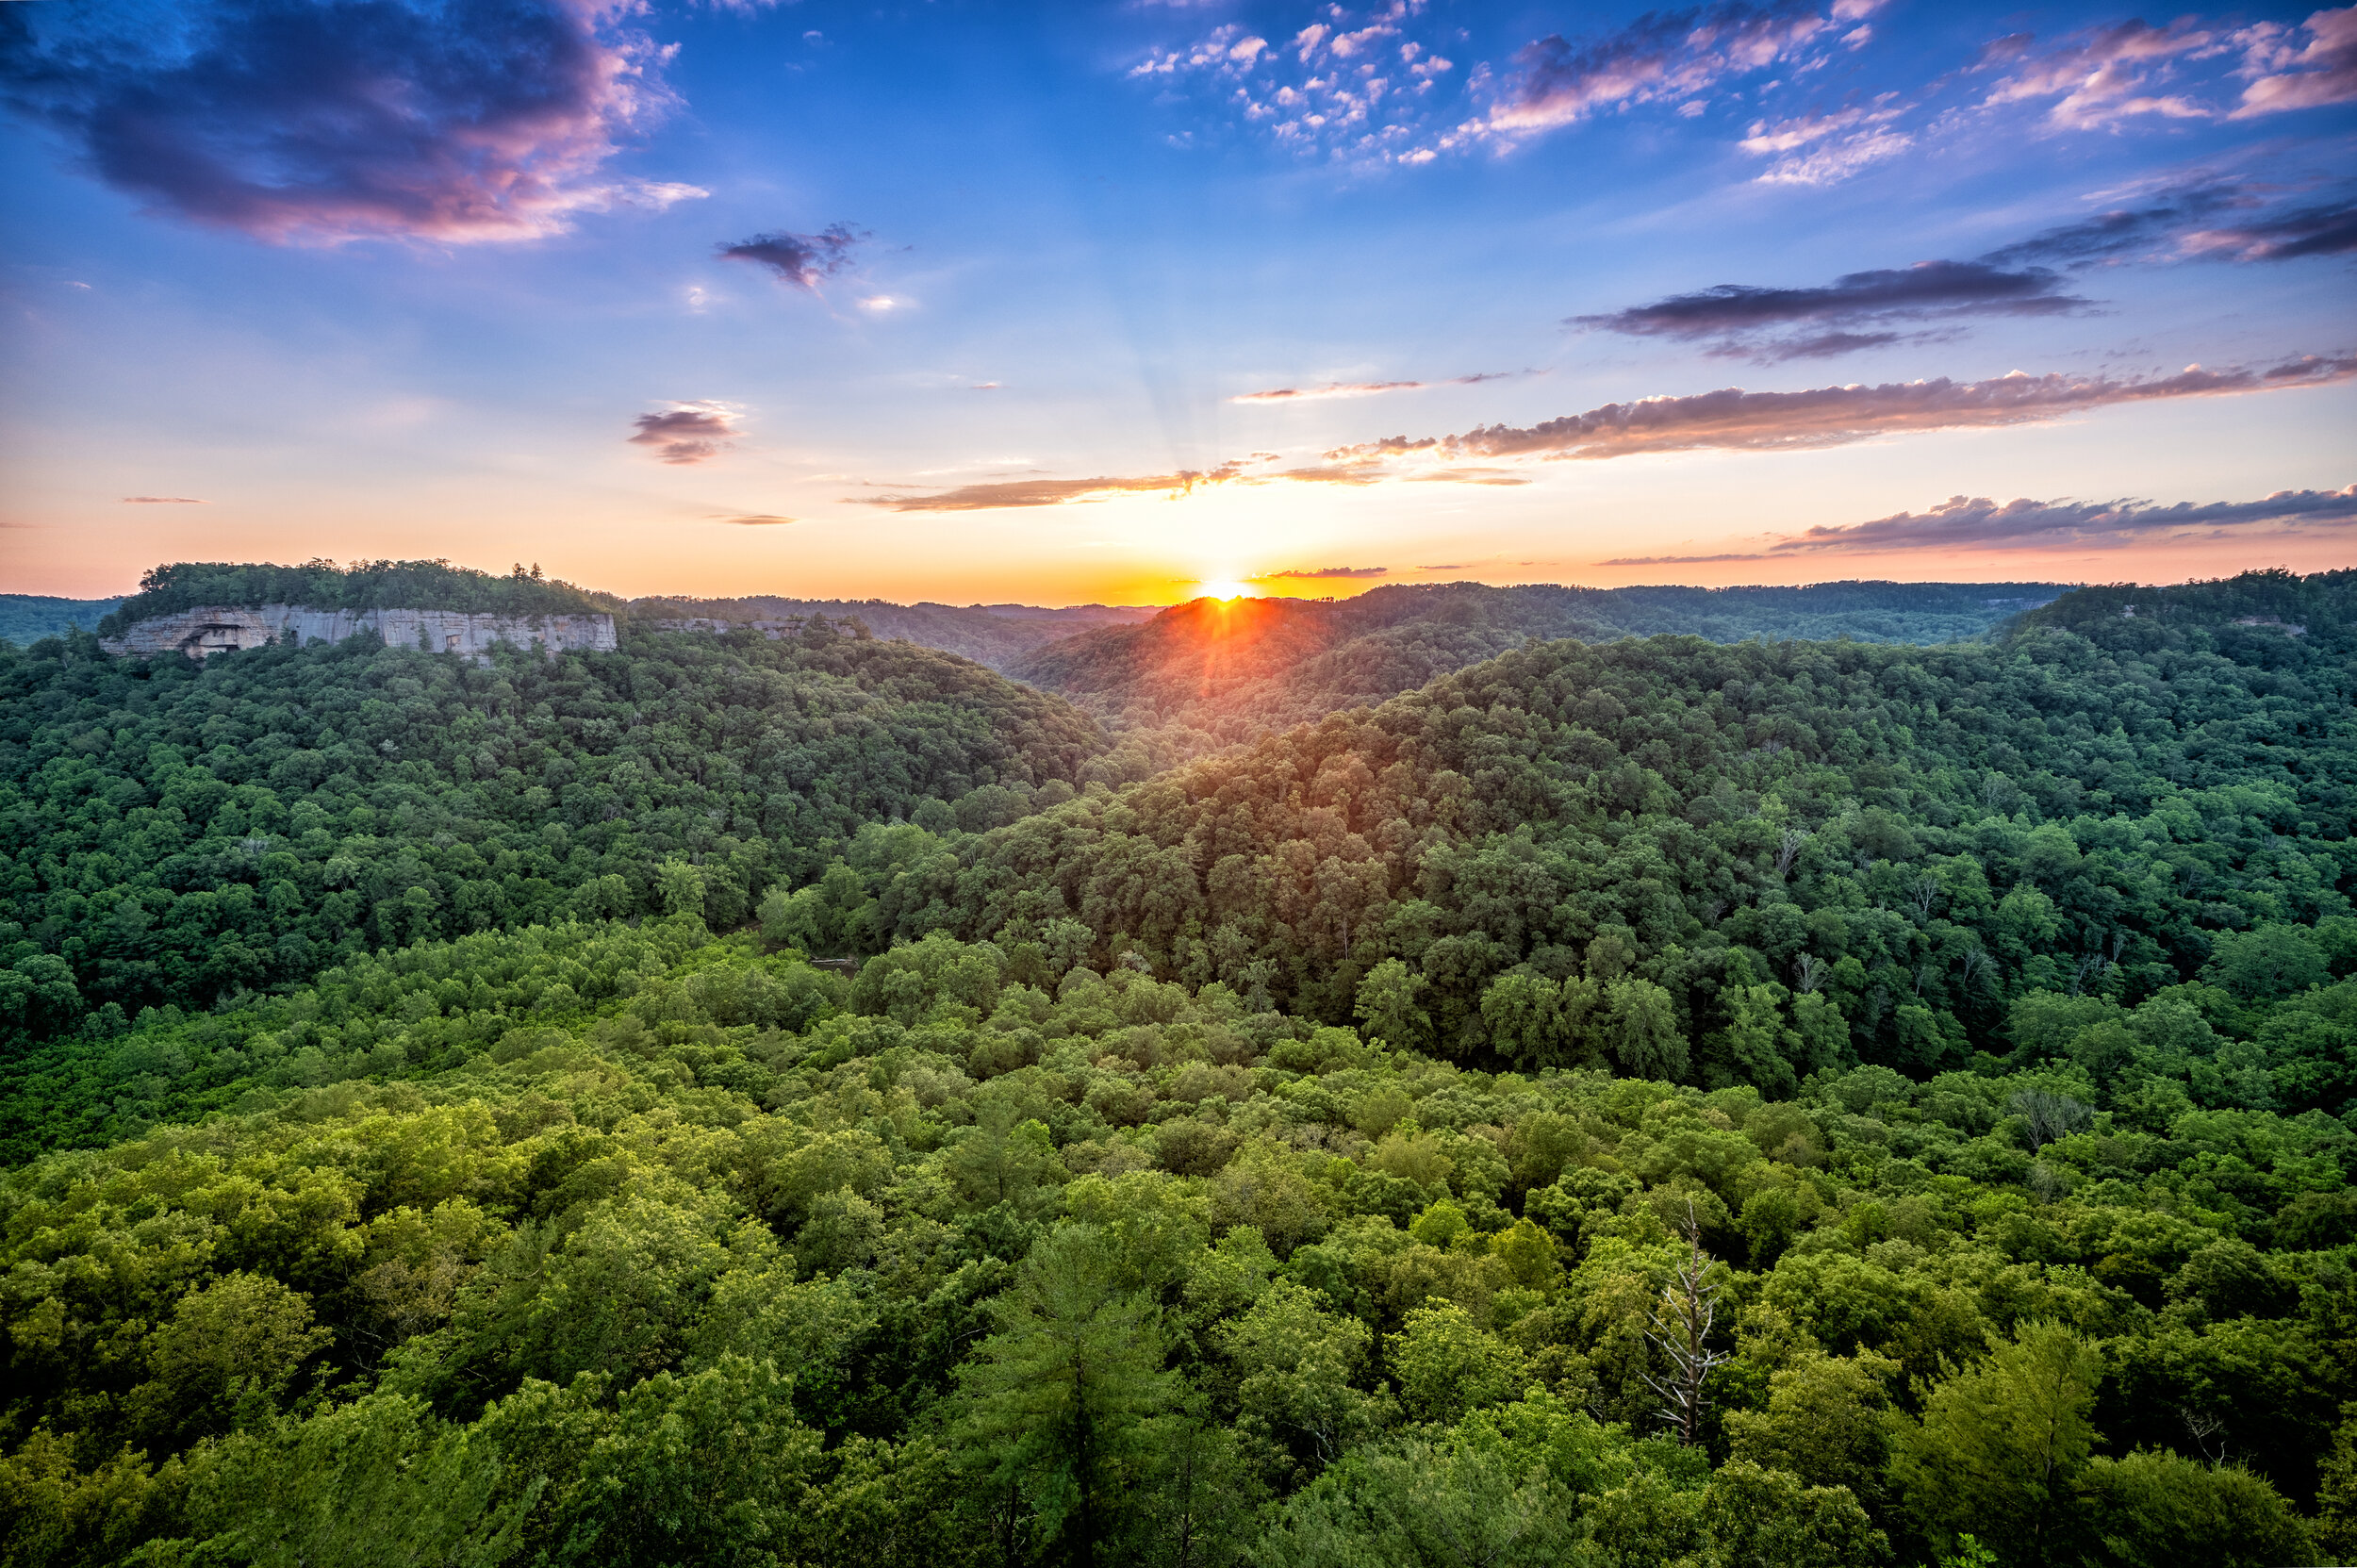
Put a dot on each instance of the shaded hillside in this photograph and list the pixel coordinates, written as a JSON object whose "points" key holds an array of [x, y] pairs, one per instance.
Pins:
{"points": [[176, 832], [995, 635], [26, 618], [1231, 669]]}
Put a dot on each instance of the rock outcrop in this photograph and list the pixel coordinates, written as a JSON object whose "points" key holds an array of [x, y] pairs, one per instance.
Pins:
{"points": [[217, 629]]}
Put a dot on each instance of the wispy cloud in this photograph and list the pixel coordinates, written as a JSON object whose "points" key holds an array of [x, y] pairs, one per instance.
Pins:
{"points": [[801, 259], [688, 432], [2327, 229], [1736, 419], [1370, 389], [2101, 77], [1467, 476], [1044, 492], [1857, 310], [757, 519], [2106, 76], [1662, 56], [1977, 522], [2295, 68], [1332, 390], [295, 121], [1730, 420], [1826, 149], [164, 500], [1313, 574]]}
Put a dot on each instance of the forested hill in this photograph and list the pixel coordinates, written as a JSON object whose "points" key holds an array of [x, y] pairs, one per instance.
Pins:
{"points": [[2263, 618], [1231, 669], [1629, 1103], [995, 635], [174, 832], [1916, 836]]}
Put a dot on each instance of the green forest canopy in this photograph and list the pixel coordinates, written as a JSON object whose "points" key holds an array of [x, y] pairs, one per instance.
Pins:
{"points": [[1637, 1103], [611, 1244]]}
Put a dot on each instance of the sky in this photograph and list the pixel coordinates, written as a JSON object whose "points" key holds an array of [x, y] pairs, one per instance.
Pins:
{"points": [[1124, 303]]}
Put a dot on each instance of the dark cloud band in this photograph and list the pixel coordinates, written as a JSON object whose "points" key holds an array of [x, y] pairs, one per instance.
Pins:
{"points": [[1736, 314], [296, 120], [1736, 419]]}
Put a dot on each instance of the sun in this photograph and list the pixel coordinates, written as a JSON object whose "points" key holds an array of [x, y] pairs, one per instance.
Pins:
{"points": [[1222, 591]]}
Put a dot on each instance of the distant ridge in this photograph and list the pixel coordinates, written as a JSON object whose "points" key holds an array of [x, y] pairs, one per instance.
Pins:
{"points": [[993, 635], [28, 618], [1234, 668]]}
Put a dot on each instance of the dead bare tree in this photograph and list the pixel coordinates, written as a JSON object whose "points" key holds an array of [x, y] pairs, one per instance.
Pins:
{"points": [[2051, 1116], [1809, 973], [1680, 1333], [1789, 851], [1923, 894], [2202, 1429]]}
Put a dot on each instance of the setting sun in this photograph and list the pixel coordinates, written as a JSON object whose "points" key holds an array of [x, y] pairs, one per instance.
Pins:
{"points": [[1223, 590]]}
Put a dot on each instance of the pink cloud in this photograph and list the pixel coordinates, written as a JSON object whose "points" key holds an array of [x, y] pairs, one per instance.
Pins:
{"points": [[688, 432]]}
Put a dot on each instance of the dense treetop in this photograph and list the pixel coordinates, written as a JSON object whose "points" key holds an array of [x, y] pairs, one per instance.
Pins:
{"points": [[604, 1244], [1650, 1101], [176, 833]]}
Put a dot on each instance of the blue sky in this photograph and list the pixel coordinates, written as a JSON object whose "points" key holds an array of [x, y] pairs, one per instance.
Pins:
{"points": [[1073, 303]]}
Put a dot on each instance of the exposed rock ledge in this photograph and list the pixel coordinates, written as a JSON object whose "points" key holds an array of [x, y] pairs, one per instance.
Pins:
{"points": [[216, 629]]}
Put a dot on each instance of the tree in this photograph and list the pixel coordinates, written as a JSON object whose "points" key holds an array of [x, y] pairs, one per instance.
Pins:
{"points": [[1052, 1406], [233, 1347], [2152, 1510], [1446, 1501], [1828, 1422], [378, 1480], [1770, 1519], [1641, 1028], [681, 886], [1387, 1005], [1447, 1364], [2002, 1443], [1297, 1364]]}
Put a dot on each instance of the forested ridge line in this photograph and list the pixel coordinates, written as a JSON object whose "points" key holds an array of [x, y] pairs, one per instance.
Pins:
{"points": [[1214, 672], [610, 1243], [176, 832], [1912, 836]]}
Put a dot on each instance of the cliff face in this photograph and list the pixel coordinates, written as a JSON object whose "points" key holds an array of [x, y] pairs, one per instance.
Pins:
{"points": [[214, 629]]}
